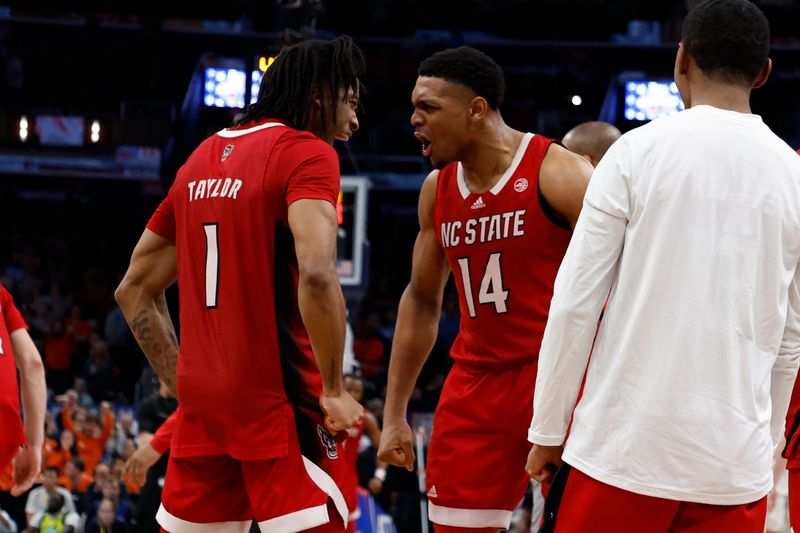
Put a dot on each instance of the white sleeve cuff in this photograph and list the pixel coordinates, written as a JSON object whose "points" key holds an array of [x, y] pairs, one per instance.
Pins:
{"points": [[544, 440]]}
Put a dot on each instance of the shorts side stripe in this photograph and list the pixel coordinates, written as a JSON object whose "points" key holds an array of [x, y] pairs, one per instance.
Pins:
{"points": [[173, 524], [328, 486], [452, 516], [296, 521]]}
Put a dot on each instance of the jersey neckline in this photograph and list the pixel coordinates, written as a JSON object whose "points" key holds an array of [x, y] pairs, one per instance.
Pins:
{"points": [[495, 190], [229, 134]]}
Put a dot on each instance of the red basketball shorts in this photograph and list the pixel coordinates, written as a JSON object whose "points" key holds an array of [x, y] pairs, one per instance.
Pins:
{"points": [[794, 498], [293, 493], [476, 459], [588, 505]]}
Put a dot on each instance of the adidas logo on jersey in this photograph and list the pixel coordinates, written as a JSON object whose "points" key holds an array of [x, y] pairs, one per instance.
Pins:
{"points": [[478, 203], [432, 493]]}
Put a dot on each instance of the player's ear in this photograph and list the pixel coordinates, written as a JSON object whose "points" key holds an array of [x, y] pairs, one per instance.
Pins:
{"points": [[478, 108], [762, 77]]}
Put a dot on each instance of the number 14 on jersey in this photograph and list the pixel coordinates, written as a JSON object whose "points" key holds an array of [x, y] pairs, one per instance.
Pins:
{"points": [[491, 290]]}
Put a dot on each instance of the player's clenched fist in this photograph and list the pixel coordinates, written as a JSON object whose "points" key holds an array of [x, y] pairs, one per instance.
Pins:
{"points": [[396, 444], [341, 412]]}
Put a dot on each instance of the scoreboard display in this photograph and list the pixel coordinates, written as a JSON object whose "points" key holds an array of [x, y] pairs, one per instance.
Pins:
{"points": [[351, 249]]}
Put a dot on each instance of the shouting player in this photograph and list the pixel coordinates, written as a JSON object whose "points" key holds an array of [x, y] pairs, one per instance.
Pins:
{"points": [[497, 212]]}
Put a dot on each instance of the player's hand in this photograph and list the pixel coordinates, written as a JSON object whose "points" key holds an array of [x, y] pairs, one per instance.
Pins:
{"points": [[139, 463], [341, 412], [26, 467], [396, 447], [543, 461]]}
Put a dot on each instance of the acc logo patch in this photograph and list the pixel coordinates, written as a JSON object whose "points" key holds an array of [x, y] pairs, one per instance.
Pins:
{"points": [[329, 442], [227, 152], [520, 185]]}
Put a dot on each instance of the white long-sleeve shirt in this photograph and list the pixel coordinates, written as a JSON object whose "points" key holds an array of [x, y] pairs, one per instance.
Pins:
{"points": [[692, 223]]}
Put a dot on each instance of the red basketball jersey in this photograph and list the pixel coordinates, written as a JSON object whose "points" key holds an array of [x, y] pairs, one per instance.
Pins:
{"points": [[504, 253], [10, 421], [245, 358]]}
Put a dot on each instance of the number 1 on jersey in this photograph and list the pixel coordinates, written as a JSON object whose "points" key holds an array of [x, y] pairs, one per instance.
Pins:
{"points": [[491, 289], [212, 265]]}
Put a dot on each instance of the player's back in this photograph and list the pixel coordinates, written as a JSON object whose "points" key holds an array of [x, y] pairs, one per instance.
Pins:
{"points": [[230, 204], [698, 309], [504, 252]]}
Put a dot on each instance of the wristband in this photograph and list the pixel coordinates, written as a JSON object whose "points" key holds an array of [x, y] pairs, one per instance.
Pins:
{"points": [[380, 473]]}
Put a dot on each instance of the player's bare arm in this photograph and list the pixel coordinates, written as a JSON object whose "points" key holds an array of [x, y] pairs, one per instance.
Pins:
{"points": [[415, 334], [141, 298], [563, 179], [27, 464], [314, 225]]}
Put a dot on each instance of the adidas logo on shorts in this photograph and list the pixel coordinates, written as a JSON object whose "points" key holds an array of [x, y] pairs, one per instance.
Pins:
{"points": [[432, 493]]}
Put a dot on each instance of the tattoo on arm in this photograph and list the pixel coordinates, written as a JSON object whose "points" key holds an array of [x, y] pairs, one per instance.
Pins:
{"points": [[156, 337]]}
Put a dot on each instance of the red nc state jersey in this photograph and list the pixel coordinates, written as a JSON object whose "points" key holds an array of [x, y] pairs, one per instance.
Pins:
{"points": [[504, 253], [245, 360]]}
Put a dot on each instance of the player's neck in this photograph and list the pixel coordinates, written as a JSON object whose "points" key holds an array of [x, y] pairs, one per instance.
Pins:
{"points": [[490, 156], [721, 96]]}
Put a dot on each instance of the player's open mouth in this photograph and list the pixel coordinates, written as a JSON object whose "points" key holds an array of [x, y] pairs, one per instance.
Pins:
{"points": [[426, 143]]}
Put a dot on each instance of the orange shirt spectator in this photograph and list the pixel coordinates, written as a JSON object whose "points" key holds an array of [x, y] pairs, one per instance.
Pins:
{"points": [[91, 443], [82, 485], [54, 456]]}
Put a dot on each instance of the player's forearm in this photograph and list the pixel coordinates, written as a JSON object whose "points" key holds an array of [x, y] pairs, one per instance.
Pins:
{"points": [[323, 311], [34, 396], [149, 320], [415, 333]]}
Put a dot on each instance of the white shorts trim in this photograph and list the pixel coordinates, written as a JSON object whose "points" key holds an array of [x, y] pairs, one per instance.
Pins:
{"points": [[296, 521], [328, 486], [173, 524], [452, 516]]}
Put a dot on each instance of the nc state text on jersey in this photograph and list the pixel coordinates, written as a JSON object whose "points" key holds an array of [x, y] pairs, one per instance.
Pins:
{"points": [[214, 188], [484, 229]]}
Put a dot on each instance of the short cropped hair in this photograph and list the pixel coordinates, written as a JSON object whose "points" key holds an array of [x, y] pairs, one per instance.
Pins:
{"points": [[728, 39], [470, 67]]}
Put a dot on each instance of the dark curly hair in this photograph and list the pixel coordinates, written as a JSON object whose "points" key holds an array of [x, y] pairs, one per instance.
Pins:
{"points": [[728, 39], [470, 67], [301, 70]]}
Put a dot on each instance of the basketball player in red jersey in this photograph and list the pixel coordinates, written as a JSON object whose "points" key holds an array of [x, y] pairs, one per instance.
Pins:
{"points": [[792, 452], [249, 229], [497, 212], [18, 443]]}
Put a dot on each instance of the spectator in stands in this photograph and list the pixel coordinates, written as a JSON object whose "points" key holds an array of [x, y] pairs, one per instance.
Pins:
{"points": [[57, 453], [55, 518], [40, 498], [127, 429], [122, 505], [95, 491], [106, 521], [98, 370], [91, 437], [59, 352], [75, 479], [369, 346]]}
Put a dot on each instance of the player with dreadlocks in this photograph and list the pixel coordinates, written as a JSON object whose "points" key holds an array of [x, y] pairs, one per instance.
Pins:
{"points": [[248, 230]]}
